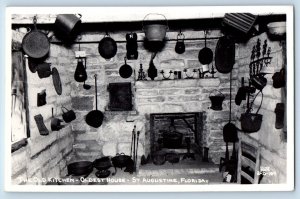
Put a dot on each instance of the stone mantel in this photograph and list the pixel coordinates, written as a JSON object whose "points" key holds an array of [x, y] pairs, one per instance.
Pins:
{"points": [[206, 82]]}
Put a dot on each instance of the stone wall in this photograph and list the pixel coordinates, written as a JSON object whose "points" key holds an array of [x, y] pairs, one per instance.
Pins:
{"points": [[271, 140], [159, 96], [44, 156]]}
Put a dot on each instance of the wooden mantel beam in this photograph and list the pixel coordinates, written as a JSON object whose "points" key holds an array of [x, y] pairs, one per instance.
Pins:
{"points": [[47, 15]]}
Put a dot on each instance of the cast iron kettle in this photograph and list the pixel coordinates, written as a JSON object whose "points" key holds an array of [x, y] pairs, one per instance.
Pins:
{"points": [[205, 55], [107, 47], [125, 70], [95, 117]]}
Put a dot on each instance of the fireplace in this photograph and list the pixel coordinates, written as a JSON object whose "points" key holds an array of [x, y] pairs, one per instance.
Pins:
{"points": [[176, 132]]}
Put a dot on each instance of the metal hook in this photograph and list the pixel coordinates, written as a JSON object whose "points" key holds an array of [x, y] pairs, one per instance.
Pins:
{"points": [[34, 19]]}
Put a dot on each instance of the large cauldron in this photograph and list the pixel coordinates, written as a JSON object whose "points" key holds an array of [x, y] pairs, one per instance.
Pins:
{"points": [[172, 139]]}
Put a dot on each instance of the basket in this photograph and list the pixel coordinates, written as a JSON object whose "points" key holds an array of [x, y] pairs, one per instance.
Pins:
{"points": [[216, 100]]}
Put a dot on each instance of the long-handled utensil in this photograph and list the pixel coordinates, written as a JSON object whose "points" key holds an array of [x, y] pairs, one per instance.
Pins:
{"points": [[132, 140], [136, 151]]}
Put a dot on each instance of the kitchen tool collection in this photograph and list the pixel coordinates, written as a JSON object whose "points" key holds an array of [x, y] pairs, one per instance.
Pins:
{"points": [[107, 48]]}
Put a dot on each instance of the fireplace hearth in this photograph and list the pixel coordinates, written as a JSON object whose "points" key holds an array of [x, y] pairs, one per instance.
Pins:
{"points": [[177, 132]]}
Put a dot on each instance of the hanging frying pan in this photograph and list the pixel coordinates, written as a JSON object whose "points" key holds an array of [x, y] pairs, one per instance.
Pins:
{"points": [[205, 55], [230, 130], [95, 117], [107, 47], [225, 55], [125, 70], [35, 43]]}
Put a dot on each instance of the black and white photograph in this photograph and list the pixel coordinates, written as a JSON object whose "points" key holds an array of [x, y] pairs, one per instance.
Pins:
{"points": [[190, 98]]}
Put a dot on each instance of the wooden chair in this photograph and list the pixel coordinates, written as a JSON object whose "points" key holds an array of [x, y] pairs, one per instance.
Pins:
{"points": [[248, 163]]}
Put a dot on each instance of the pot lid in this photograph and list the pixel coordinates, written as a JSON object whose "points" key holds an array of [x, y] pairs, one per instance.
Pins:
{"points": [[56, 81]]}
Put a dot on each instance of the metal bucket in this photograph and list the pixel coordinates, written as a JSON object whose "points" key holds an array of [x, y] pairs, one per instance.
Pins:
{"points": [[67, 25], [155, 31]]}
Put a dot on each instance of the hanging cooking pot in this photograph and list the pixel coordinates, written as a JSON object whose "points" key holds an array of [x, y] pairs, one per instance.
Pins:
{"points": [[172, 139], [180, 46], [95, 117], [68, 115], [107, 47], [230, 130], [216, 100], [205, 55], [225, 55], [251, 122], [125, 70], [155, 31], [35, 43], [67, 25]]}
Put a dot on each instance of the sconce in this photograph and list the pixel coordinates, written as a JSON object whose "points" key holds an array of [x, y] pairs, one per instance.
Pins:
{"points": [[259, 59]]}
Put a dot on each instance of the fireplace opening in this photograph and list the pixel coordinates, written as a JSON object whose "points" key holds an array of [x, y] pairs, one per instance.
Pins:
{"points": [[179, 133]]}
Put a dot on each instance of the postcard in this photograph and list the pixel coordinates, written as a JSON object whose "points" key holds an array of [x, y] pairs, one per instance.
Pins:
{"points": [[149, 99]]}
